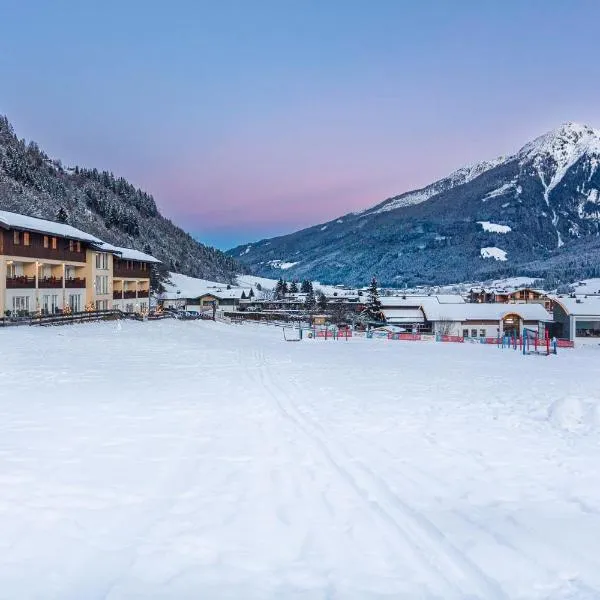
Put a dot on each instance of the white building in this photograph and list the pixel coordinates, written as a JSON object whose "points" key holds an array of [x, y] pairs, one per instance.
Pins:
{"points": [[578, 317], [451, 315]]}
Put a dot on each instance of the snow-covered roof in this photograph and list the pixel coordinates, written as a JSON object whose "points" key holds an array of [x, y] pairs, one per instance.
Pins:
{"points": [[434, 311], [404, 315], [580, 305], [17, 221], [223, 292], [417, 300], [129, 253]]}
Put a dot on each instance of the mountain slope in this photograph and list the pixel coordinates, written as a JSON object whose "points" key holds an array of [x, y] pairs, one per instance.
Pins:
{"points": [[536, 212], [97, 202]]}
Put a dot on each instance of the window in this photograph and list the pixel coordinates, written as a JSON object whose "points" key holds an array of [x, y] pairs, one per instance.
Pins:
{"points": [[26, 238], [20, 304], [143, 266], [78, 246], [465, 333], [101, 261], [53, 243], [75, 302], [50, 304], [46, 242], [16, 238], [101, 304], [482, 333], [143, 306], [473, 332], [101, 284], [71, 245]]}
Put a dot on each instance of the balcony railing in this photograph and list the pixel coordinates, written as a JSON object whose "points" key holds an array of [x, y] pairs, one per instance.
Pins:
{"points": [[129, 294], [50, 282], [75, 282], [142, 294], [20, 281]]}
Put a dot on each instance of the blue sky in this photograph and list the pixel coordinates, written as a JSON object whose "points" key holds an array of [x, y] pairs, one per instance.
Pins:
{"points": [[250, 119]]}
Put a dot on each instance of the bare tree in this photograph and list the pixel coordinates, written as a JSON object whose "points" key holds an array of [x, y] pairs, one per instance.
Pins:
{"points": [[445, 325]]}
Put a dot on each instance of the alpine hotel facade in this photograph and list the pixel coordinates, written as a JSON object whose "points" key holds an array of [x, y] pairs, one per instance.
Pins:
{"points": [[48, 267]]}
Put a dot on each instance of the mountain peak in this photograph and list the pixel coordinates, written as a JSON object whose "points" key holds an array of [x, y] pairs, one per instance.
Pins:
{"points": [[565, 144]]}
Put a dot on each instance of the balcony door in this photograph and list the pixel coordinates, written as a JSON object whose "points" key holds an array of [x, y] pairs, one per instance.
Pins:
{"points": [[50, 303], [75, 302]]}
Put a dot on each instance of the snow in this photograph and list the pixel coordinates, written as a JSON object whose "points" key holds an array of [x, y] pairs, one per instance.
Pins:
{"points": [[10, 219], [192, 287], [215, 461], [494, 227], [493, 252], [253, 281], [500, 191], [248, 248], [580, 305], [129, 253], [280, 264], [458, 177], [324, 228], [587, 286]]}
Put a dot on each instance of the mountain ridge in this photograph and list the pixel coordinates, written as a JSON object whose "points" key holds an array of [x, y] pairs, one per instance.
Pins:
{"points": [[106, 206], [546, 194]]}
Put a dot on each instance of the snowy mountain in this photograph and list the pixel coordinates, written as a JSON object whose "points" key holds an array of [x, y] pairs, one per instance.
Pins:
{"points": [[534, 213], [101, 204]]}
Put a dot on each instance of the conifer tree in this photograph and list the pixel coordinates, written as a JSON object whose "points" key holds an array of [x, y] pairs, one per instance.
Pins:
{"points": [[243, 296], [306, 286], [372, 310], [310, 302], [284, 288], [61, 215], [251, 294], [322, 301], [294, 287]]}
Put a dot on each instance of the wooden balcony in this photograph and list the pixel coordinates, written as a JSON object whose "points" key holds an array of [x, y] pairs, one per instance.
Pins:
{"points": [[134, 272], [142, 294], [128, 294], [50, 282], [75, 282], [20, 282], [117, 294]]}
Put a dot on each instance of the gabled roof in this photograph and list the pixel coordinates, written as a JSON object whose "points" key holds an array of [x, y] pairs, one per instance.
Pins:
{"points": [[10, 220], [129, 253], [434, 311]]}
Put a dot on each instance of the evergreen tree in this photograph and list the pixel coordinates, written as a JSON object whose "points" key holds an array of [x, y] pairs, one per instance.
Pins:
{"points": [[284, 288], [250, 294], [322, 302], [259, 287], [279, 289], [243, 296], [309, 302], [61, 215], [306, 286], [294, 287], [372, 310]]}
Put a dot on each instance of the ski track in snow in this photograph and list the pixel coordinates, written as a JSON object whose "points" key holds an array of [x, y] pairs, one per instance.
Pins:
{"points": [[217, 461]]}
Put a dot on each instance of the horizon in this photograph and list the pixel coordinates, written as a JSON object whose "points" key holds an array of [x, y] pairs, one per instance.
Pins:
{"points": [[248, 122]]}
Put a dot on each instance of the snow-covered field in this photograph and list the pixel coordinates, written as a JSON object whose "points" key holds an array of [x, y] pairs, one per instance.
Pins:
{"points": [[200, 460]]}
